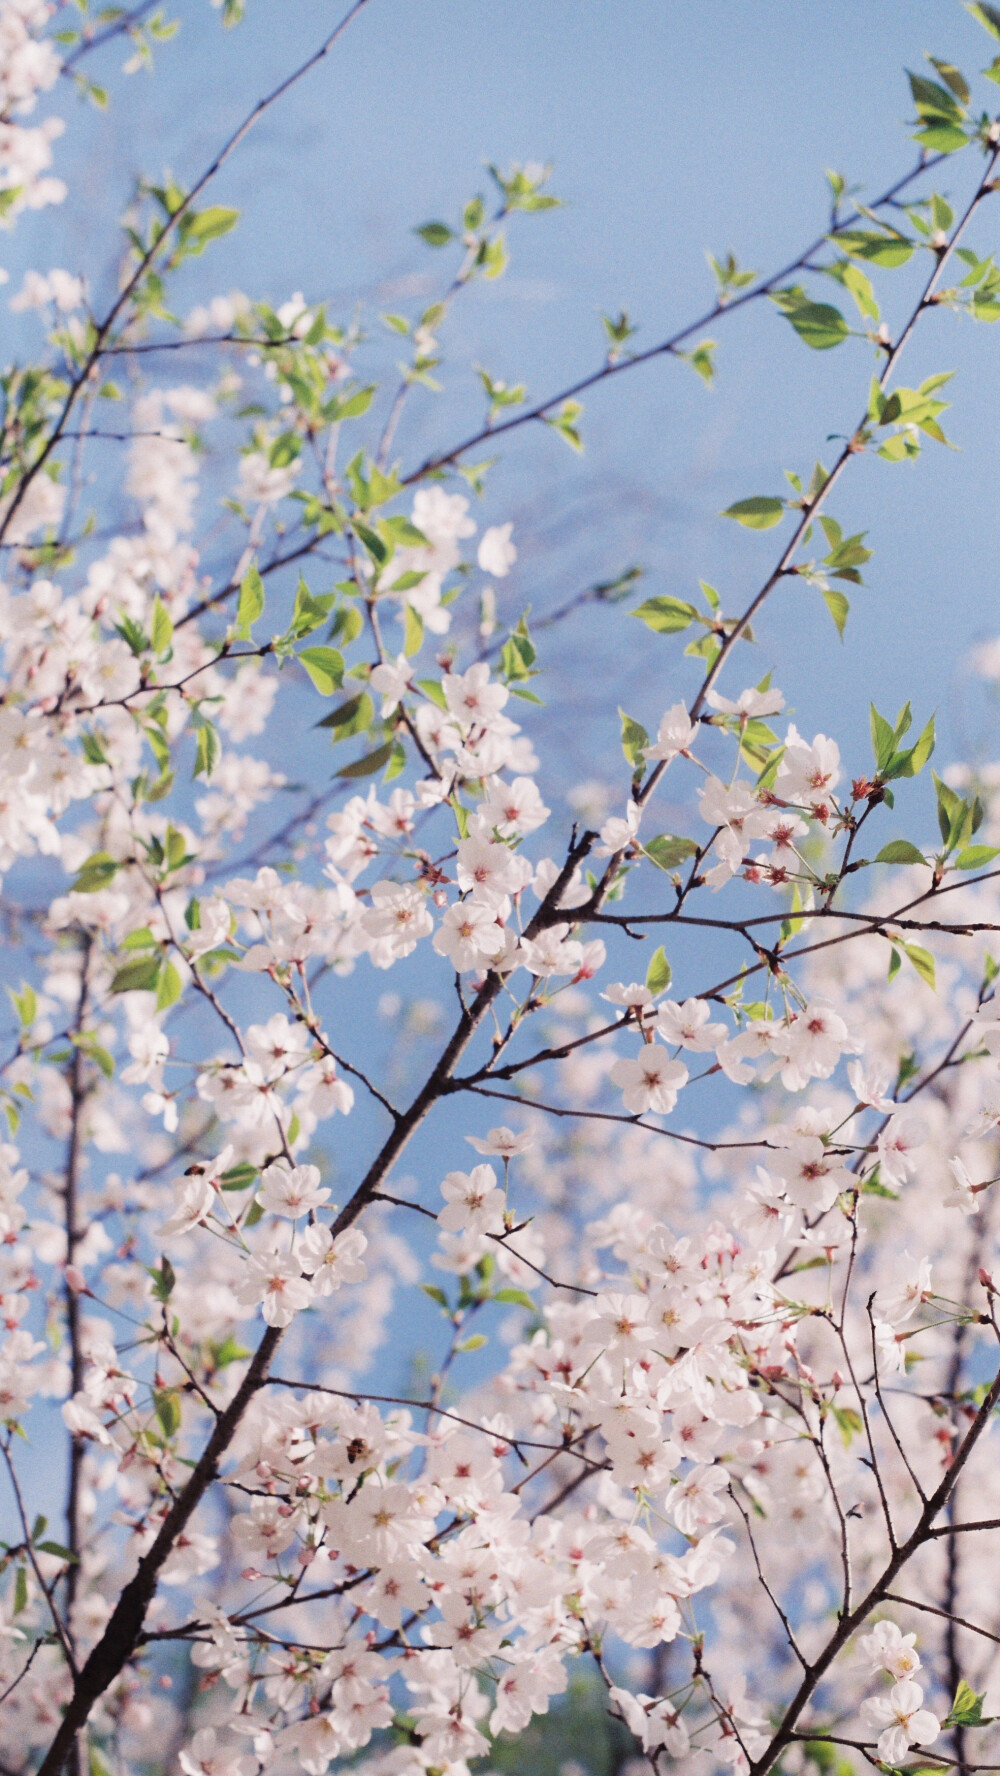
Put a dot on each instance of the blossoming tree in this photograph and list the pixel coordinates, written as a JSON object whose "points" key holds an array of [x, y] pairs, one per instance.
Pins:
{"points": [[726, 1255]]}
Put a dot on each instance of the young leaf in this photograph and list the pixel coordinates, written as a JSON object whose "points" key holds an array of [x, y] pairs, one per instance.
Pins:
{"points": [[325, 667], [899, 851], [955, 80], [58, 1550], [634, 740], [849, 1423], [168, 1410], [251, 604], [987, 16], [967, 1708], [353, 717], [161, 627], [759, 513], [820, 324], [138, 975], [976, 856], [923, 962], [659, 973], [883, 739], [565, 422], [838, 606], [666, 616], [413, 638], [208, 749], [97, 872], [208, 225], [436, 234], [515, 1298], [668, 852], [162, 1279], [372, 761], [889, 249], [168, 989]]}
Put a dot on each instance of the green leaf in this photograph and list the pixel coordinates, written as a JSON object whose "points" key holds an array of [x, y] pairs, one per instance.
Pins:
{"points": [[373, 544], [228, 1352], [518, 654], [493, 257], [372, 761], [668, 852], [413, 638], [659, 973], [58, 1550], [208, 225], [161, 628], [350, 406], [820, 324], [436, 234], [353, 717], [849, 1423], [702, 360], [239, 1177], [957, 818], [25, 1004], [90, 1046], [163, 1278], [434, 692], [309, 611], [207, 750], [168, 1410], [346, 626], [665, 616], [934, 102], [565, 422], [515, 1298], [883, 739], [138, 975], [910, 762], [97, 872], [634, 740], [838, 606], [976, 856], [895, 963], [889, 249], [20, 1591], [967, 1708], [987, 16], [956, 82], [899, 851], [759, 513], [474, 1342], [93, 748], [436, 1294], [855, 280], [325, 667], [169, 987], [923, 962], [251, 604]]}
